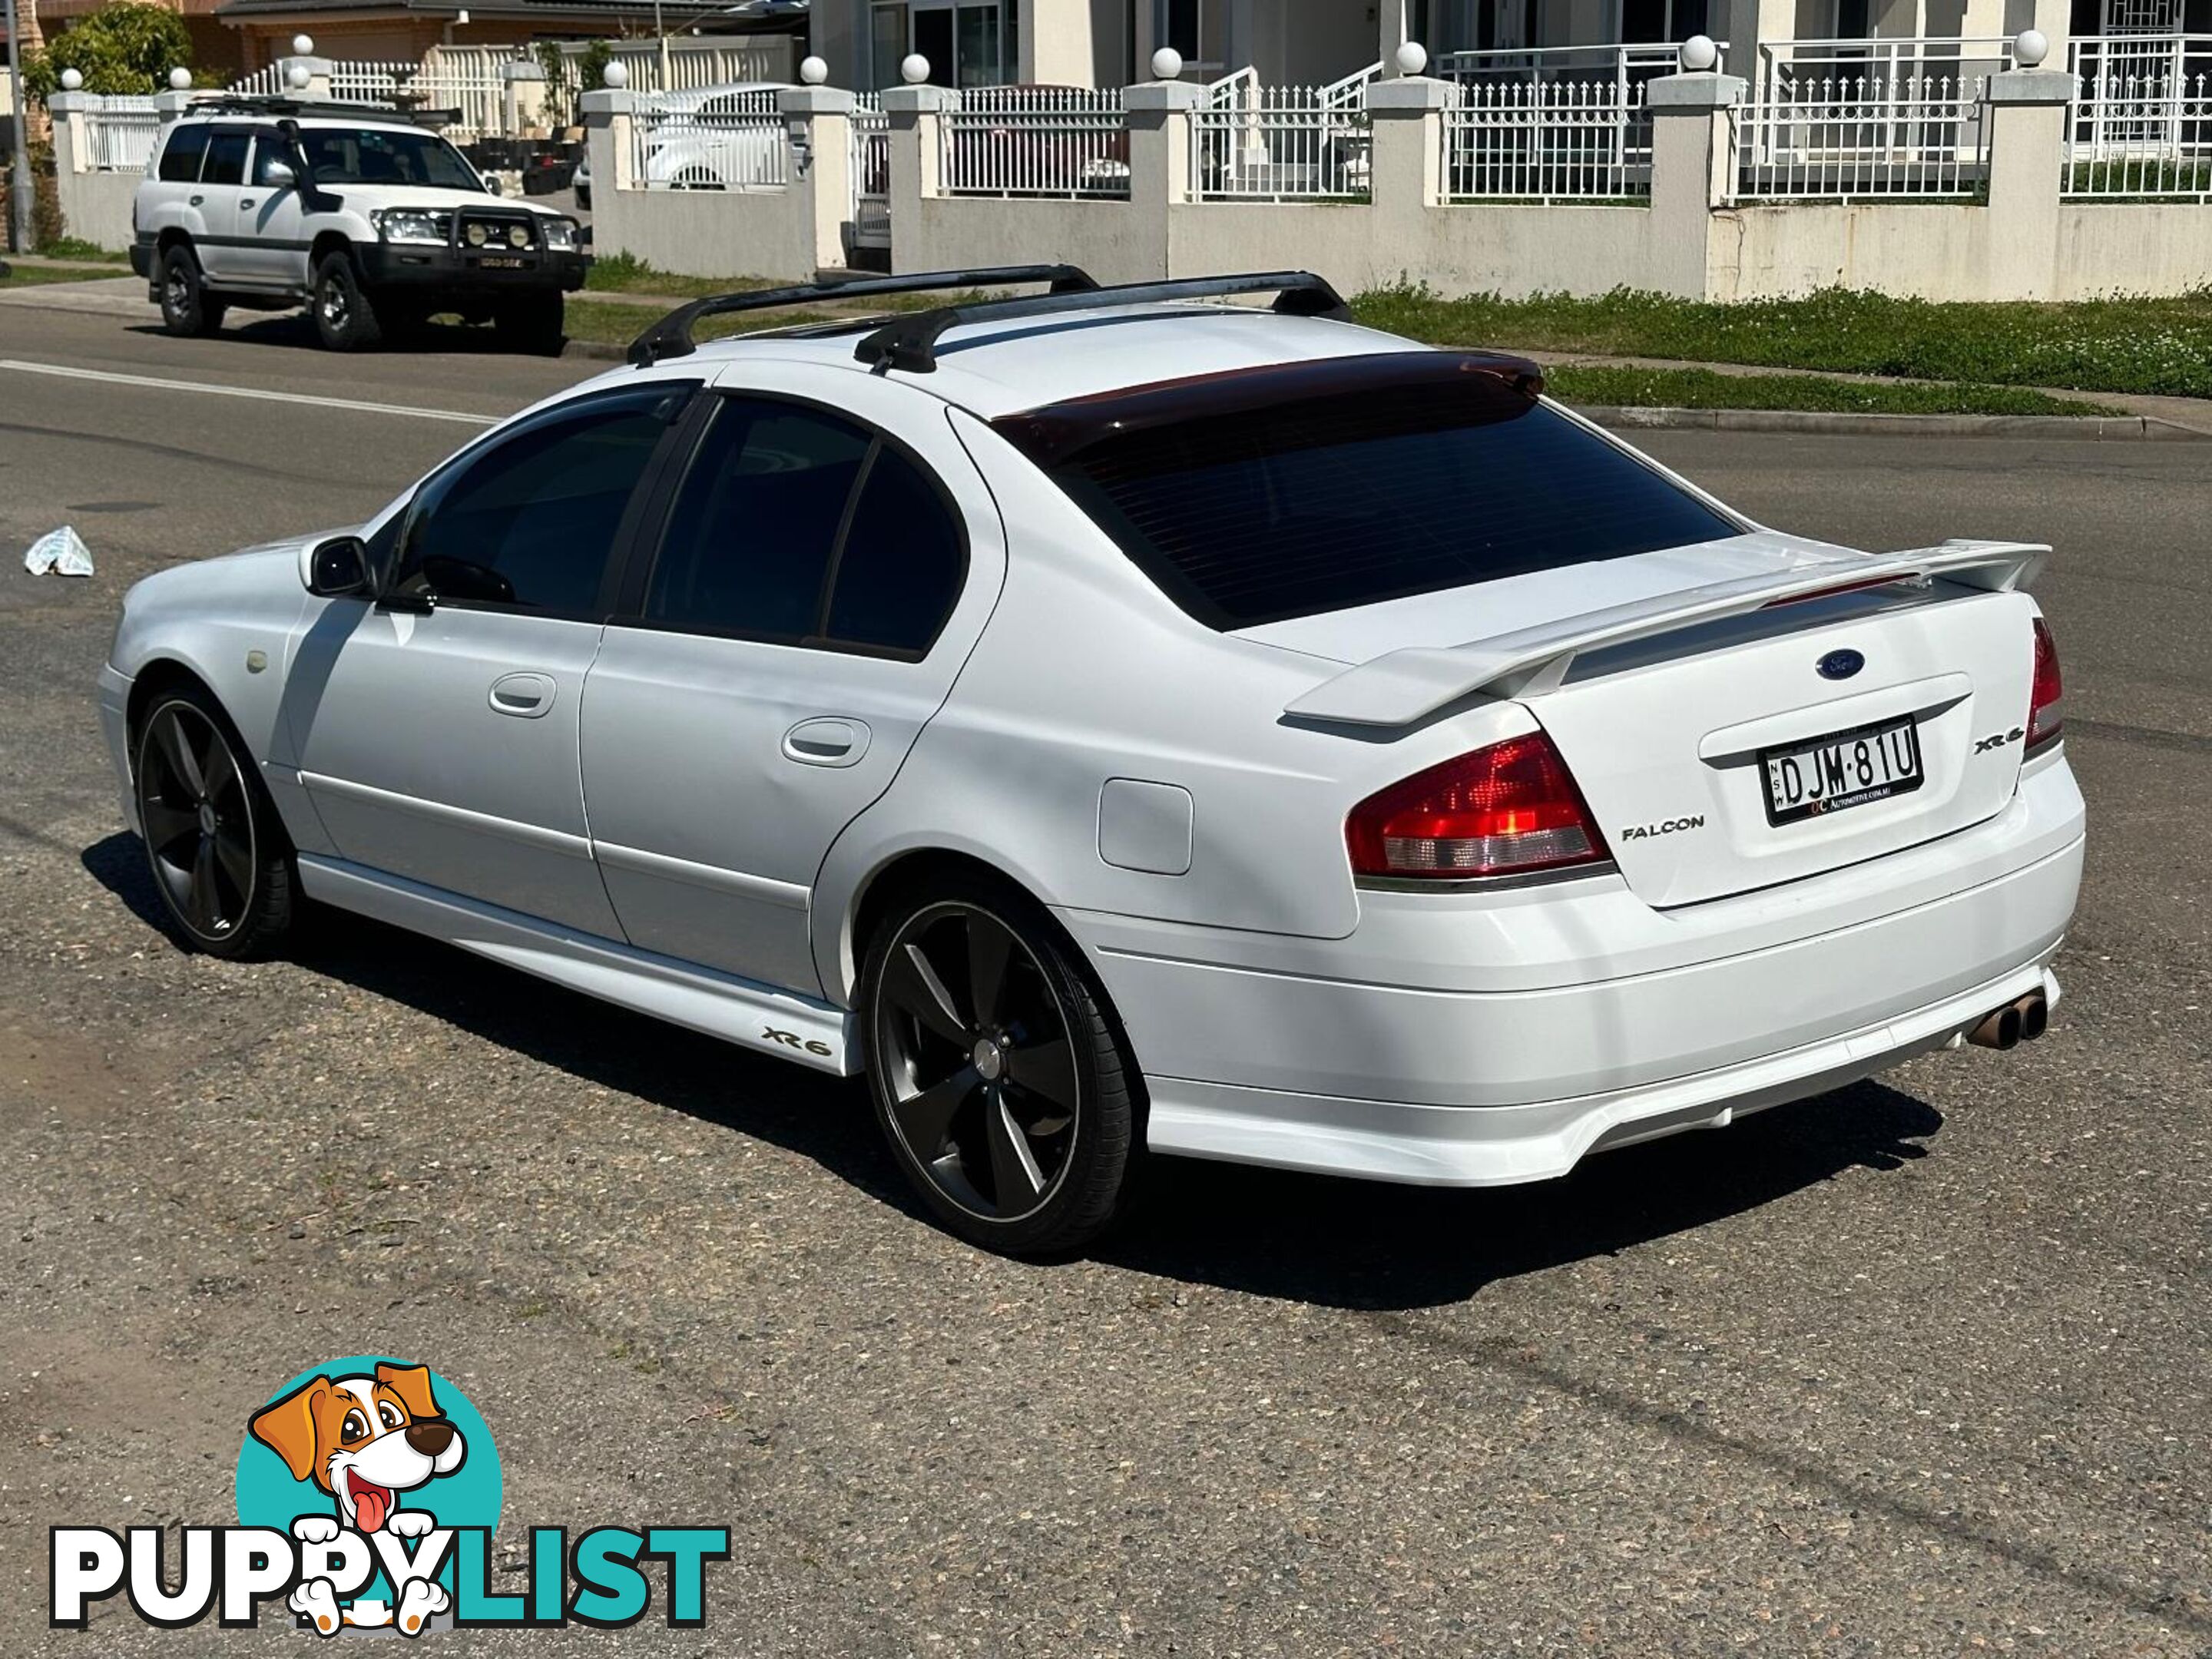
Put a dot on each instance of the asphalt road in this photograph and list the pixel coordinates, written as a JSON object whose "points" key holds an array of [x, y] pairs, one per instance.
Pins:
{"points": [[1919, 1367]]}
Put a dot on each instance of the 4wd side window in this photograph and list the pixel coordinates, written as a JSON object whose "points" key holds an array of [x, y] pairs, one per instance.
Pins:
{"points": [[797, 525], [529, 518], [180, 156], [226, 158]]}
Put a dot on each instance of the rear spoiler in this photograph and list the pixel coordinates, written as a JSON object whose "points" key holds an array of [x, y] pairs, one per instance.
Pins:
{"points": [[1400, 687]]}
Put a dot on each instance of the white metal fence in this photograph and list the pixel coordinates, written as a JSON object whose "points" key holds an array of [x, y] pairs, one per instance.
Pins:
{"points": [[468, 79], [1968, 59], [871, 173], [120, 135], [1281, 145], [693, 64], [1853, 138], [1548, 141], [1036, 141], [2137, 136], [722, 140]]}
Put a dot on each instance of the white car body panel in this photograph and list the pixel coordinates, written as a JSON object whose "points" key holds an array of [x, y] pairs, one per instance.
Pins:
{"points": [[1135, 769]]}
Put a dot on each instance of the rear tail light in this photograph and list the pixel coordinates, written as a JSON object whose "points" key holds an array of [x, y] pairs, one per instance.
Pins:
{"points": [[1507, 808], [2043, 703]]}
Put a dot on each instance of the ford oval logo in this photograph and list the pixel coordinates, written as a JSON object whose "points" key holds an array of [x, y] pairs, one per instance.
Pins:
{"points": [[1841, 664]]}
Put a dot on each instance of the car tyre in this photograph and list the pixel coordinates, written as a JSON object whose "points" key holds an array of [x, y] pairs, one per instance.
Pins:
{"points": [[532, 322], [345, 317], [1000, 1076], [187, 308], [218, 853]]}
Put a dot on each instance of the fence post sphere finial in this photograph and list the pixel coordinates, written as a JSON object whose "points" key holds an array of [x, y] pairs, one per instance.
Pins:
{"points": [[1699, 53], [615, 74], [914, 69], [72, 80], [295, 77], [180, 79], [2030, 48], [1167, 64], [1412, 57], [813, 71], [303, 45]]}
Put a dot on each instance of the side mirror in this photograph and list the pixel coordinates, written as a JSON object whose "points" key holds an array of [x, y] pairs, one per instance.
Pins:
{"points": [[339, 567], [491, 182], [278, 175]]}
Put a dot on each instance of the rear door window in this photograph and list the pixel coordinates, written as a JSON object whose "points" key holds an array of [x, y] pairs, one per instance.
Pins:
{"points": [[1248, 509], [180, 156], [226, 158]]}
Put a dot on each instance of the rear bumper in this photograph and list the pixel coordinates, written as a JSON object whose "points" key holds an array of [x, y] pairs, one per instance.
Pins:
{"points": [[1500, 1038]]}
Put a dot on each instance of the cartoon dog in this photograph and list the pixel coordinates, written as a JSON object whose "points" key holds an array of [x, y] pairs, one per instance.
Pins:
{"points": [[364, 1440]]}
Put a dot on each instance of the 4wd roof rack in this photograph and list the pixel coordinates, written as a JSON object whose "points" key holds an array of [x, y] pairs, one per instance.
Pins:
{"points": [[910, 343], [250, 103], [671, 335]]}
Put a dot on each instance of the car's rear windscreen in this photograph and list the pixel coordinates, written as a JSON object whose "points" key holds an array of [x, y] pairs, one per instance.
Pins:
{"points": [[1373, 479]]}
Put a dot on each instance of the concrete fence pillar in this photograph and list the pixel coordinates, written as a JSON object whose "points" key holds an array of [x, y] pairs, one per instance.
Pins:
{"points": [[2026, 112], [318, 78], [1692, 173], [607, 112], [916, 116], [820, 122], [1158, 115], [168, 105], [523, 85], [1406, 124], [72, 114]]}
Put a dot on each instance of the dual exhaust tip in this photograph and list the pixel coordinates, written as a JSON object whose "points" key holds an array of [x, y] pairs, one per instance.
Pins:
{"points": [[2013, 1024]]}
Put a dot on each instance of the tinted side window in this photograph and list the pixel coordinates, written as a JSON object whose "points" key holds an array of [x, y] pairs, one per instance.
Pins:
{"points": [[900, 571], [531, 520], [180, 156], [226, 160], [266, 149], [749, 545]]}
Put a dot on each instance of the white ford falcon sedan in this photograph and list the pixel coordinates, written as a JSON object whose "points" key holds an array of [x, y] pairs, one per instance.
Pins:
{"points": [[1115, 720]]}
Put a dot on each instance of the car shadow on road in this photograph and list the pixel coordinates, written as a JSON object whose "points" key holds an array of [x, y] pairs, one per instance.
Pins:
{"points": [[1307, 1238]]}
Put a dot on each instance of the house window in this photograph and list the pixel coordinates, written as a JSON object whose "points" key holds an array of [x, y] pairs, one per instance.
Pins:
{"points": [[1644, 20], [969, 43]]}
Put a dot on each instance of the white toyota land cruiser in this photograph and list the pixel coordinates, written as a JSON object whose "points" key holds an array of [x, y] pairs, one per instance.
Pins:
{"points": [[371, 220]]}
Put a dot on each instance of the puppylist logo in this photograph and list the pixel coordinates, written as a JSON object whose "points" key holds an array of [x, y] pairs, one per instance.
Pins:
{"points": [[367, 1493]]}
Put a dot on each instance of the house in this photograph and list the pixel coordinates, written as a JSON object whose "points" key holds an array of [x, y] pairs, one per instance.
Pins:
{"points": [[972, 43]]}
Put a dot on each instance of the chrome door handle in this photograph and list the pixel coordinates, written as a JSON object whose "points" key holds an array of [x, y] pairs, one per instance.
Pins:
{"points": [[524, 695], [828, 740]]}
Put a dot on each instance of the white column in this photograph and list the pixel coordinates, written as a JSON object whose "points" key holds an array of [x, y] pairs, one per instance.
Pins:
{"points": [[916, 116], [72, 114], [1158, 113], [1692, 166], [1405, 168], [820, 121], [2027, 113], [524, 85], [607, 112]]}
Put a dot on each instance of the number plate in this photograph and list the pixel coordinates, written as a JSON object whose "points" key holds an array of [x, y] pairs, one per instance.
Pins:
{"points": [[1843, 769], [502, 262]]}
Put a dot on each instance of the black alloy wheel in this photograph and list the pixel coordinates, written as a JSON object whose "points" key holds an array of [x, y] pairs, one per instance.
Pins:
{"points": [[997, 1075], [217, 854]]}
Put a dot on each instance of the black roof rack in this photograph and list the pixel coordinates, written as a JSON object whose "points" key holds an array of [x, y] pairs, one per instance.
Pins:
{"points": [[250, 103], [910, 343], [671, 335]]}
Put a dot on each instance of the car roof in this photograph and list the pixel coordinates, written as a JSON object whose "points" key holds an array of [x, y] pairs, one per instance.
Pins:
{"points": [[1001, 367], [351, 121]]}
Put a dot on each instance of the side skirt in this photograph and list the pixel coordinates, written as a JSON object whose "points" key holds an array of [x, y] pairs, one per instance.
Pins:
{"points": [[818, 1034]]}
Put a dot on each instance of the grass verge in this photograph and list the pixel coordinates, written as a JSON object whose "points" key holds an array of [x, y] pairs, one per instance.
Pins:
{"points": [[77, 249], [26, 275], [2140, 345], [1701, 388], [625, 273]]}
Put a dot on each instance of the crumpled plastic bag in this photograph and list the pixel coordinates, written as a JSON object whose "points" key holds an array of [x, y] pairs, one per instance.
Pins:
{"points": [[62, 551]]}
